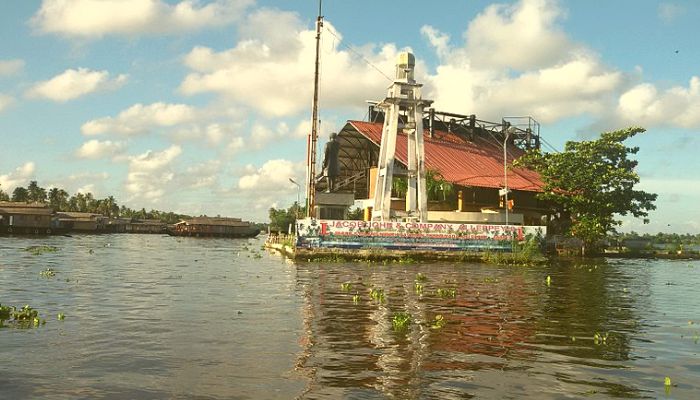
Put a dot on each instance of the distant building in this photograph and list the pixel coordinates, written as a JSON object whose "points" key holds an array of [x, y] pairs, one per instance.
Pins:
{"points": [[146, 226], [81, 221], [25, 218], [214, 227], [467, 152]]}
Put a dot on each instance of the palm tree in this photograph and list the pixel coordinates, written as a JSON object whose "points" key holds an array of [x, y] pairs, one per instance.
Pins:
{"points": [[58, 199], [4, 196], [20, 194], [36, 192]]}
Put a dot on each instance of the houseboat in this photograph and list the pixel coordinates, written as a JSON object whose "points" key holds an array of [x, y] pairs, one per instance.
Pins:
{"points": [[214, 227], [26, 218]]}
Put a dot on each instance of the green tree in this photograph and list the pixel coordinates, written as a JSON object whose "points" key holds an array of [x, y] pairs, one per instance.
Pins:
{"points": [[35, 192], [4, 196], [436, 186], [592, 183], [281, 219], [20, 194], [58, 199]]}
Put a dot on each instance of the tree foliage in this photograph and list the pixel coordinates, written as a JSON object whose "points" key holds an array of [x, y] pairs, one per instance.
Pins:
{"points": [[592, 183], [436, 186], [281, 219], [59, 200]]}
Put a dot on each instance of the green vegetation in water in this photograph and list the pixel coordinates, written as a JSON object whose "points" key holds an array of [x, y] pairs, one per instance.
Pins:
{"points": [[438, 322], [406, 260], [38, 250], [548, 280], [667, 381], [490, 279], [25, 317], [401, 321], [257, 255], [345, 286], [356, 298], [377, 295], [421, 278], [446, 293], [600, 339], [47, 273], [61, 316], [419, 288]]}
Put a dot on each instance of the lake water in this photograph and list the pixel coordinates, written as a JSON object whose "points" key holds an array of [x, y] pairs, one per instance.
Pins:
{"points": [[157, 317]]}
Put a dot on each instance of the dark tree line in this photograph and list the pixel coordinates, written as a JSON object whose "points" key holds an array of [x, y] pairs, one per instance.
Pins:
{"points": [[59, 200]]}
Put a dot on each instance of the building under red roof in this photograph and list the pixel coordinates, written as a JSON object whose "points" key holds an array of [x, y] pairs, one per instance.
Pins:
{"points": [[468, 156], [477, 163]]}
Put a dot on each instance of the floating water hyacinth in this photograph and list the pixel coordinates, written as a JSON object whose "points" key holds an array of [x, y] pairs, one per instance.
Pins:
{"points": [[37, 250], [418, 287], [439, 322], [345, 286], [47, 273], [548, 280], [356, 298], [401, 321], [377, 294], [25, 317], [667, 381], [600, 338], [61, 316], [420, 277], [446, 293]]}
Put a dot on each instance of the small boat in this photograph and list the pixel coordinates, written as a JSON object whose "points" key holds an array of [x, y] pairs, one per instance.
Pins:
{"points": [[214, 227]]}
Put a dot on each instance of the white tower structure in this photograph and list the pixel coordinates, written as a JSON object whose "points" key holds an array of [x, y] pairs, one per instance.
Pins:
{"points": [[403, 98]]}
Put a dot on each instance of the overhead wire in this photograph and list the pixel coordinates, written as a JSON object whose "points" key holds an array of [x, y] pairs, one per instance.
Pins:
{"points": [[358, 54]]}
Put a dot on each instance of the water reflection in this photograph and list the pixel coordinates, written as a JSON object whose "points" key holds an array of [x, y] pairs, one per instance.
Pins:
{"points": [[507, 333], [158, 317]]}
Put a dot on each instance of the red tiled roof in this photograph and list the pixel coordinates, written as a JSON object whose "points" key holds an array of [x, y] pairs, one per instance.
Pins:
{"points": [[478, 163]]}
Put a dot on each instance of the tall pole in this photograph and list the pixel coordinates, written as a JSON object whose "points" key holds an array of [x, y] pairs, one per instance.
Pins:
{"points": [[505, 172], [313, 135]]}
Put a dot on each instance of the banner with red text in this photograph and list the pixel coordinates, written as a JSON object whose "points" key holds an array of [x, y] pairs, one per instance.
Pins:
{"points": [[396, 235]]}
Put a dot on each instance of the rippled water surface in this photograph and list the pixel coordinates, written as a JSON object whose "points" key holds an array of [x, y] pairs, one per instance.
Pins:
{"points": [[157, 317]]}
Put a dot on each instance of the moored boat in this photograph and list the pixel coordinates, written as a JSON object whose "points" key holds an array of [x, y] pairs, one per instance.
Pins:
{"points": [[214, 227]]}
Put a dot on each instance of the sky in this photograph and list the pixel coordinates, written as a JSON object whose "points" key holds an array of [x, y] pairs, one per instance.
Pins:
{"points": [[203, 107]]}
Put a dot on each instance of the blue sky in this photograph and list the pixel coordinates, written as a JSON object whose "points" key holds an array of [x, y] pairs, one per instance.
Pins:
{"points": [[203, 106]]}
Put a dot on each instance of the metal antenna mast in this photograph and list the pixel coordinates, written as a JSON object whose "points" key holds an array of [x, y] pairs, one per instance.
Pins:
{"points": [[313, 135]]}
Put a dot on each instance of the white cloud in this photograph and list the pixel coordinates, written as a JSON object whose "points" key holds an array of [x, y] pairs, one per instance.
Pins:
{"points": [[96, 18], [10, 67], [150, 173], [678, 106], [273, 176], [19, 177], [72, 84], [139, 118], [5, 101], [269, 68], [522, 35], [527, 66], [235, 145], [94, 149], [85, 189], [200, 175], [668, 12]]}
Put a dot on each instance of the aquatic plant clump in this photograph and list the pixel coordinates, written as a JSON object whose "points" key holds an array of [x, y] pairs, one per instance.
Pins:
{"points": [[401, 321], [345, 286], [419, 288], [446, 293], [438, 323], [38, 250], [47, 273], [377, 294], [25, 317]]}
